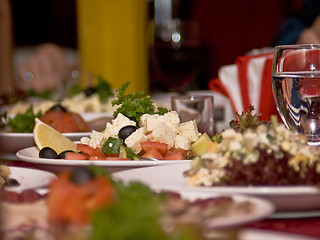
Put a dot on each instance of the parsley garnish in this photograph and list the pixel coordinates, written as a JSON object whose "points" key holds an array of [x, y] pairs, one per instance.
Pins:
{"points": [[246, 120], [133, 105], [23, 123]]}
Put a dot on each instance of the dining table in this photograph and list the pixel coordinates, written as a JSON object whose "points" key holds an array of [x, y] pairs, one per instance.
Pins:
{"points": [[300, 224]]}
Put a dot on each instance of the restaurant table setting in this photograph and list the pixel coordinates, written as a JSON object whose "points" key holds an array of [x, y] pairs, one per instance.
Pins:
{"points": [[276, 212]]}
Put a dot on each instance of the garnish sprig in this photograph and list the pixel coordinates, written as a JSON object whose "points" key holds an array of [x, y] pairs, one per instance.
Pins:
{"points": [[134, 105]]}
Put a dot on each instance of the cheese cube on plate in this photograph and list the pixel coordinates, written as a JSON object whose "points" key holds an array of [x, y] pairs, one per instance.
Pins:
{"points": [[135, 139], [189, 130], [162, 133]]}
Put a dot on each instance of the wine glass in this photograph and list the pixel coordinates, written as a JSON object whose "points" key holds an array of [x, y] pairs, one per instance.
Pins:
{"points": [[176, 55], [296, 88]]}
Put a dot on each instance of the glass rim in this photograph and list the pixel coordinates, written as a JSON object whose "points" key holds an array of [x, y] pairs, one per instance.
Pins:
{"points": [[299, 46], [192, 96]]}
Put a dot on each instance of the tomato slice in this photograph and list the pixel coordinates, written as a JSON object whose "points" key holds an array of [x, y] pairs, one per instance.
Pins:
{"points": [[80, 123], [174, 156], [92, 157], [84, 148], [97, 152], [153, 153], [76, 156], [72, 203], [162, 148]]}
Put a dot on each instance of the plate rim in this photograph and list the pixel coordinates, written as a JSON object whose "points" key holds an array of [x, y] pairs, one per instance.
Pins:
{"points": [[27, 135], [264, 208], [13, 169], [261, 190], [62, 162]]}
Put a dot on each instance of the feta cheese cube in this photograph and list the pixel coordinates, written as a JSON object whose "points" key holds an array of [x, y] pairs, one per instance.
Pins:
{"points": [[189, 130], [135, 139], [162, 133], [142, 122], [95, 140], [172, 120], [182, 142], [150, 122], [85, 140], [119, 122]]}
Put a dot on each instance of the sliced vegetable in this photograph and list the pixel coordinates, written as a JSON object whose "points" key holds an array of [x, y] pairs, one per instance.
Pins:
{"points": [[126, 152], [62, 155], [98, 158], [162, 148], [174, 156], [112, 145], [84, 148], [74, 203], [153, 153], [76, 156], [65, 121], [98, 153], [200, 146]]}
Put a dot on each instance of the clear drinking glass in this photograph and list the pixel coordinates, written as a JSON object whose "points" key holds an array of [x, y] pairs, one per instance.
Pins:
{"points": [[195, 107], [296, 88]]}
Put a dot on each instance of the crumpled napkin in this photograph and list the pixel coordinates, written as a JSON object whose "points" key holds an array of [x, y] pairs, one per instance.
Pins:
{"points": [[248, 82]]}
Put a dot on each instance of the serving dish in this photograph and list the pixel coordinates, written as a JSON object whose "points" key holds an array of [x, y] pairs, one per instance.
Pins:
{"points": [[286, 199], [13, 142], [31, 155], [29, 178]]}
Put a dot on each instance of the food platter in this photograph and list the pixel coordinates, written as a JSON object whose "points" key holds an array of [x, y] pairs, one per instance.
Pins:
{"points": [[261, 209], [29, 178], [57, 165], [13, 142], [287, 199]]}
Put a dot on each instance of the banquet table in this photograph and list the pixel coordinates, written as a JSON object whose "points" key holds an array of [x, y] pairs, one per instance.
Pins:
{"points": [[308, 226]]}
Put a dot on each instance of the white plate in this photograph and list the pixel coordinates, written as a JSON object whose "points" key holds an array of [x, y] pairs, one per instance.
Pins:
{"points": [[31, 155], [29, 178], [285, 198], [262, 209], [13, 142], [253, 234]]}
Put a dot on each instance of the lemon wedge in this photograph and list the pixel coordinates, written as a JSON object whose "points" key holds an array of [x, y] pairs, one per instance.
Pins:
{"points": [[46, 136]]}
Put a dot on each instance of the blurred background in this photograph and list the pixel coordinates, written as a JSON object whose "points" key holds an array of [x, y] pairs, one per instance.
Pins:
{"points": [[184, 42]]}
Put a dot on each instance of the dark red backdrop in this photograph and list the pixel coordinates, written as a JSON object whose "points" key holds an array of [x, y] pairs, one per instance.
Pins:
{"points": [[231, 28]]}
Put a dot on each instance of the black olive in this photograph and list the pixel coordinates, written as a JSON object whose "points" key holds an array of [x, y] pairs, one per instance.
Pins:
{"points": [[81, 175], [62, 155], [47, 152], [58, 108], [12, 182], [126, 131], [89, 91]]}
